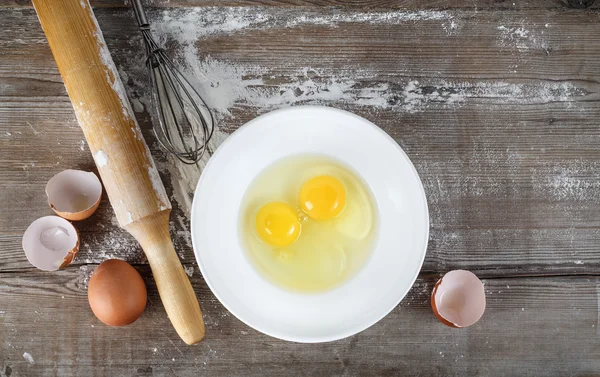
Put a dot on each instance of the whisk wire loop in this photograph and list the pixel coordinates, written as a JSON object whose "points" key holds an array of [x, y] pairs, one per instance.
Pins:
{"points": [[183, 123]]}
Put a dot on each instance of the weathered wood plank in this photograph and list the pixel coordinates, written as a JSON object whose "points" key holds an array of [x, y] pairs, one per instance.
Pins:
{"points": [[532, 327], [508, 159], [496, 104], [366, 4]]}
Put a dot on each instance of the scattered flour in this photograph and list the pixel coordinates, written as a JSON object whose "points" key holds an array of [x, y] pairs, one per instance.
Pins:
{"points": [[227, 86], [101, 158], [598, 306], [191, 24], [419, 96], [27, 356], [231, 88], [189, 270], [451, 27], [83, 277], [578, 180], [520, 38], [114, 80], [183, 231], [159, 188], [115, 244], [111, 72]]}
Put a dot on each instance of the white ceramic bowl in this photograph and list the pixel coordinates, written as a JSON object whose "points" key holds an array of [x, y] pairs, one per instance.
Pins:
{"points": [[398, 252]]}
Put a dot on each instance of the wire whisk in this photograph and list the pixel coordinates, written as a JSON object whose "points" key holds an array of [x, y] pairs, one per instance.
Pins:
{"points": [[183, 123]]}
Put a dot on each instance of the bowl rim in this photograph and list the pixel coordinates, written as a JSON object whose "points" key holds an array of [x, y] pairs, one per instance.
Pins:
{"points": [[350, 331]]}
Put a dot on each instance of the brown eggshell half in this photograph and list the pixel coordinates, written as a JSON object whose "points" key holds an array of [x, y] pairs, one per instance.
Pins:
{"points": [[458, 299], [74, 194], [50, 243], [117, 293]]}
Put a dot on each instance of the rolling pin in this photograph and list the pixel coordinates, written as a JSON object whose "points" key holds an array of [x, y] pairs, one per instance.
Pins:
{"points": [[130, 178]]}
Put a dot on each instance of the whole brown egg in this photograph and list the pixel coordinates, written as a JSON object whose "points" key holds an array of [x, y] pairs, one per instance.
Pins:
{"points": [[117, 293]]}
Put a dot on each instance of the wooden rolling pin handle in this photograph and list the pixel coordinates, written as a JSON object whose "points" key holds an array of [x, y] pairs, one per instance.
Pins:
{"points": [[124, 162], [172, 282]]}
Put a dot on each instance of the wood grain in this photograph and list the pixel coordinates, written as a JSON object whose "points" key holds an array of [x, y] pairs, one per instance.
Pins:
{"points": [[525, 330], [499, 115], [357, 4], [506, 177]]}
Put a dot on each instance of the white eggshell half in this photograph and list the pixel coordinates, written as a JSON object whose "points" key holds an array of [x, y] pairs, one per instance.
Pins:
{"points": [[50, 243], [74, 194], [458, 299]]}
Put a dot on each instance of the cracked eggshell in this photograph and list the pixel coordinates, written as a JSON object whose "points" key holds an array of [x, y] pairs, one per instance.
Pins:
{"points": [[50, 243], [74, 194], [458, 299]]}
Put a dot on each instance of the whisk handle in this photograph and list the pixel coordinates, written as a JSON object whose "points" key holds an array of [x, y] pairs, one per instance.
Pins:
{"points": [[140, 13]]}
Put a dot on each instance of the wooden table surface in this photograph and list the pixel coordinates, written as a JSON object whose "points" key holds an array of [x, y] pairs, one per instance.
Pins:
{"points": [[496, 103]]}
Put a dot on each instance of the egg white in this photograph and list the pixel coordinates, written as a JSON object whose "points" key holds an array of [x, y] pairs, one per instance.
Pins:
{"points": [[327, 253]]}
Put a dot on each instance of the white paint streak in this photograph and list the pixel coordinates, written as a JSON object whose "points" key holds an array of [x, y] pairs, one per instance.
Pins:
{"points": [[189, 270], [101, 158]]}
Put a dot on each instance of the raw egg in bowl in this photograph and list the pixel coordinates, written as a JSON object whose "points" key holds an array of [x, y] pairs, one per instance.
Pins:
{"points": [[310, 224]]}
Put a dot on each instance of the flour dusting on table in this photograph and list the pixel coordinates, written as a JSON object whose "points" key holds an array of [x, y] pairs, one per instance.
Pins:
{"points": [[231, 88], [27, 356], [115, 244], [521, 38], [191, 24], [574, 180]]}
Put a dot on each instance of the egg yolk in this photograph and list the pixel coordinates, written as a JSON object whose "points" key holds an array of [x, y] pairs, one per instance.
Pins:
{"points": [[323, 197], [277, 224]]}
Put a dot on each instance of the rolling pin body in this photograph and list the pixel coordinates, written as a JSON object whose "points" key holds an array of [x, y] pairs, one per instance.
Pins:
{"points": [[130, 177]]}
